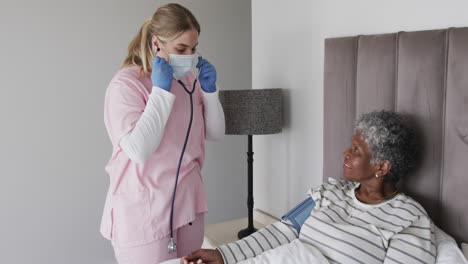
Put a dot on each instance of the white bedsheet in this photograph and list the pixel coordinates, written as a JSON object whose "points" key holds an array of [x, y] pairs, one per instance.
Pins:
{"points": [[292, 253], [172, 261], [298, 252]]}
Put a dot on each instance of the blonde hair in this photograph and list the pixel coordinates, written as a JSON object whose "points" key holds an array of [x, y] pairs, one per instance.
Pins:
{"points": [[167, 23]]}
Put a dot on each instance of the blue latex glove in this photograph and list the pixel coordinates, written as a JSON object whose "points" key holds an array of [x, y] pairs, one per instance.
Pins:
{"points": [[161, 74], [207, 76]]}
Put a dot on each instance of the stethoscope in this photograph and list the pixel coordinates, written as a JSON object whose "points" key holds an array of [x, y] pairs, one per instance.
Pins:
{"points": [[172, 246]]}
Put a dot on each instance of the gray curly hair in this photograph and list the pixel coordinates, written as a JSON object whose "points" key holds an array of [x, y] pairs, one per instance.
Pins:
{"points": [[389, 138]]}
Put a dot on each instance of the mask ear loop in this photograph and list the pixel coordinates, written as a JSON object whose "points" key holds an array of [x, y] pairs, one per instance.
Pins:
{"points": [[199, 69]]}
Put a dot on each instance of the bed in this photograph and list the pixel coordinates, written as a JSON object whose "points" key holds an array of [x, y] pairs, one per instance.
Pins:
{"points": [[423, 74]]}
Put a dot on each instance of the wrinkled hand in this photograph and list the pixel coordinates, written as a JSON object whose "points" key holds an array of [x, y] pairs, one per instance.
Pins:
{"points": [[161, 74], [205, 256], [207, 75]]}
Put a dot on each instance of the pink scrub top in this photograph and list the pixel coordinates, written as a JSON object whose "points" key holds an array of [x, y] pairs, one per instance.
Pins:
{"points": [[138, 203]]}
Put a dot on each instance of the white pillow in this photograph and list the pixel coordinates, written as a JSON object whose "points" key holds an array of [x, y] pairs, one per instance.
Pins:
{"points": [[464, 247], [447, 249]]}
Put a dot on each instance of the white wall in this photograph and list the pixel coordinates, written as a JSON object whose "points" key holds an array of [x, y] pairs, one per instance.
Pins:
{"points": [[288, 51], [57, 59]]}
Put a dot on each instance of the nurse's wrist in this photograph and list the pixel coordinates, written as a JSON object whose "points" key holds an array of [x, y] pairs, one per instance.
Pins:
{"points": [[209, 88], [210, 98], [214, 91]]}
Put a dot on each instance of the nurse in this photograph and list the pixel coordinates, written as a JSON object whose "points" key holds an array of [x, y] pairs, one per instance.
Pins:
{"points": [[147, 113]]}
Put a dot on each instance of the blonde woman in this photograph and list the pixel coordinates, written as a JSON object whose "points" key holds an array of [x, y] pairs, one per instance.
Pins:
{"points": [[151, 114]]}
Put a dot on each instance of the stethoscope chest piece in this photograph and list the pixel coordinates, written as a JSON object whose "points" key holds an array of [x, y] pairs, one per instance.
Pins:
{"points": [[172, 247]]}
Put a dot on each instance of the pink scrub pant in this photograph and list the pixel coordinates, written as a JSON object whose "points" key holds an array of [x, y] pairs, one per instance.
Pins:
{"points": [[188, 239]]}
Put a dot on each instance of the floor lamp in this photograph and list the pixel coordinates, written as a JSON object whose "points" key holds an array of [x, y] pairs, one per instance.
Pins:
{"points": [[251, 112]]}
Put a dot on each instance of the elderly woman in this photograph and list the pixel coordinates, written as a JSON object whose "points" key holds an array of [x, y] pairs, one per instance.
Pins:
{"points": [[362, 219]]}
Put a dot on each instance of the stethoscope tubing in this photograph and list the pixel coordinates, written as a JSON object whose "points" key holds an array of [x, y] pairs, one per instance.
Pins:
{"points": [[172, 245]]}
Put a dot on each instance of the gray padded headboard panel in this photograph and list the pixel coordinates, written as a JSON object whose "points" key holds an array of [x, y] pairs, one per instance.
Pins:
{"points": [[423, 74]]}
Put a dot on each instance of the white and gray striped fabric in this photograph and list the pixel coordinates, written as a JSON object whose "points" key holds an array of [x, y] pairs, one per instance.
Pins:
{"points": [[269, 237], [348, 231]]}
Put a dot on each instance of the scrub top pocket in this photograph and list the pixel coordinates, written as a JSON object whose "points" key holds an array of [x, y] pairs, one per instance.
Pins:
{"points": [[131, 219]]}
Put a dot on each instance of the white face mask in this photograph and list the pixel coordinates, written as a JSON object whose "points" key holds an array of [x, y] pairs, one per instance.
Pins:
{"points": [[182, 64]]}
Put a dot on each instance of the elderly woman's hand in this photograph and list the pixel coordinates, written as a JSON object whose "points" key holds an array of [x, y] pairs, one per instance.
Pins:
{"points": [[206, 256]]}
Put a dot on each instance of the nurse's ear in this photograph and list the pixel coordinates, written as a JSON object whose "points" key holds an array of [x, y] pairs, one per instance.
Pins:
{"points": [[155, 42], [156, 45]]}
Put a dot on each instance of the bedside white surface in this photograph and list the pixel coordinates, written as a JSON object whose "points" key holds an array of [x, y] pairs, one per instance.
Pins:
{"points": [[226, 232]]}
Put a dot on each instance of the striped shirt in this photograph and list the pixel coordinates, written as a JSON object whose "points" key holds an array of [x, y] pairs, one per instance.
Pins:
{"points": [[346, 230]]}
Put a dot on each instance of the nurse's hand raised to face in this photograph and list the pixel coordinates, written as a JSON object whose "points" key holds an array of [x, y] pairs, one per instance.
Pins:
{"points": [[161, 73], [207, 75], [207, 256]]}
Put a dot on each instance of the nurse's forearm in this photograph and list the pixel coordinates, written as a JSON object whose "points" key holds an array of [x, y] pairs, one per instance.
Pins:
{"points": [[145, 137], [214, 116]]}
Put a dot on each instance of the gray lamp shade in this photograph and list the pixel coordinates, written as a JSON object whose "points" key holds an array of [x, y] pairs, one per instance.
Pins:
{"points": [[252, 112]]}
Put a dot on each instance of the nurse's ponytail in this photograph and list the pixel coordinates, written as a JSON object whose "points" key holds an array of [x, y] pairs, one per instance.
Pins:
{"points": [[167, 23], [140, 48]]}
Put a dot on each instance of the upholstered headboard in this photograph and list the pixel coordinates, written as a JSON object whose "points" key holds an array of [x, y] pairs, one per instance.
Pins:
{"points": [[423, 74]]}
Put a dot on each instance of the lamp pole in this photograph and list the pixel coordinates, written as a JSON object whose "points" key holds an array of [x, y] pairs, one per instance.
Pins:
{"points": [[250, 201]]}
